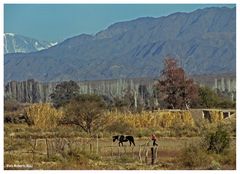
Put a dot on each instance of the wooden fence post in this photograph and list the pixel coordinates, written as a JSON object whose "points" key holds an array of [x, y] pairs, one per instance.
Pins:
{"points": [[146, 156], [119, 151], [153, 154], [140, 153], [48, 155], [33, 150], [97, 145], [90, 146], [156, 153], [133, 152]]}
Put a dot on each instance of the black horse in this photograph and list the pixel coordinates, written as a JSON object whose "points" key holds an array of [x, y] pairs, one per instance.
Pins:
{"points": [[122, 138]]}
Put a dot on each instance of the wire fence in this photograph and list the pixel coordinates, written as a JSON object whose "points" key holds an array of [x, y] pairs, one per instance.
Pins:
{"points": [[48, 147]]}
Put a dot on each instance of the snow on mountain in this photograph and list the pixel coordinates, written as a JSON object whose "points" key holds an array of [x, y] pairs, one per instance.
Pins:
{"points": [[14, 43]]}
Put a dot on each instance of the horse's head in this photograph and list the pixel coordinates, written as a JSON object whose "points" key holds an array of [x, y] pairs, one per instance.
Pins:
{"points": [[115, 138]]}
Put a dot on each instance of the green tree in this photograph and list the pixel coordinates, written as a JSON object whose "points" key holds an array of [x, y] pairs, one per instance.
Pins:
{"points": [[217, 141], [64, 92], [207, 97], [85, 111], [174, 88], [125, 102]]}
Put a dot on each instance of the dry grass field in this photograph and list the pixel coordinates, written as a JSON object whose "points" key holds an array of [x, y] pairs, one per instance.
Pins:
{"points": [[183, 141], [30, 148]]}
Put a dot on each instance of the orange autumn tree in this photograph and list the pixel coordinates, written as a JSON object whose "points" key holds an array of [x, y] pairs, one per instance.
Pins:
{"points": [[174, 87]]}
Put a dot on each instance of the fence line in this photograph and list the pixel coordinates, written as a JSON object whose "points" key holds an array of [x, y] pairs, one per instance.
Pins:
{"points": [[59, 145]]}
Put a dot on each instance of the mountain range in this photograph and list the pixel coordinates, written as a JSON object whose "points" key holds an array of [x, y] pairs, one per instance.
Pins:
{"points": [[15, 43], [204, 42]]}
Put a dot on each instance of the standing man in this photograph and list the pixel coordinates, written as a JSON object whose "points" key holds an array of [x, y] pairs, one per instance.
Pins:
{"points": [[154, 139]]}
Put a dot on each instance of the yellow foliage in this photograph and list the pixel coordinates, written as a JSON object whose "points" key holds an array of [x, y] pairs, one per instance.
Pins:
{"points": [[215, 116], [44, 115], [147, 119]]}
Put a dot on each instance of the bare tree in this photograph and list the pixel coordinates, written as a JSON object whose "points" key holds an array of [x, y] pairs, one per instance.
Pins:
{"points": [[85, 111]]}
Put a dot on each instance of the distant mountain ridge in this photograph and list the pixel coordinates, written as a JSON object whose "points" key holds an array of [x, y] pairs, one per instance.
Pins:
{"points": [[15, 43], [204, 41]]}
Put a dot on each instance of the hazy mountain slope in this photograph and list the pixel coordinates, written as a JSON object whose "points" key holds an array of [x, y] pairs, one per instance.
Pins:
{"points": [[14, 43], [204, 41]]}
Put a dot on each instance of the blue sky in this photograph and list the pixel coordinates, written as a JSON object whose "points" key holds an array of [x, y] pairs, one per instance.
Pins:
{"points": [[57, 22]]}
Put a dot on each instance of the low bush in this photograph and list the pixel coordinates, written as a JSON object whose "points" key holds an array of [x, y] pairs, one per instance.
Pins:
{"points": [[163, 133], [217, 140], [229, 157], [193, 156], [120, 127], [182, 130], [214, 165], [230, 125], [144, 132], [11, 105], [80, 155], [43, 115]]}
